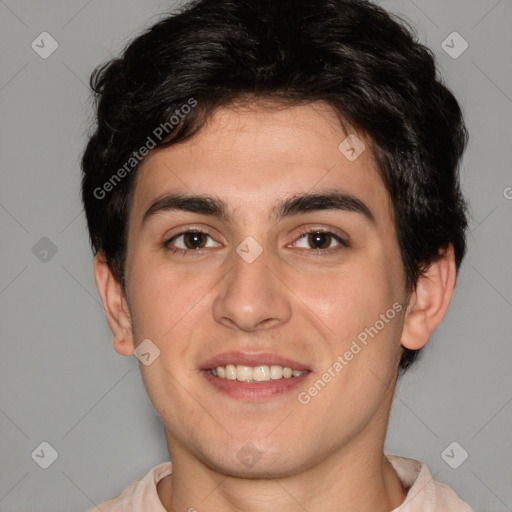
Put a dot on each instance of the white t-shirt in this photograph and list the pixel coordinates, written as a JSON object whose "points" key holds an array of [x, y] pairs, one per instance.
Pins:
{"points": [[424, 494]]}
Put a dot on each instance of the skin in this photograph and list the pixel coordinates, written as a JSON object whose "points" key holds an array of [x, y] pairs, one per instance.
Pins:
{"points": [[294, 300]]}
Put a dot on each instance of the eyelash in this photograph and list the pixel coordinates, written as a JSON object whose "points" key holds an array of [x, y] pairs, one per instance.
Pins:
{"points": [[196, 252]]}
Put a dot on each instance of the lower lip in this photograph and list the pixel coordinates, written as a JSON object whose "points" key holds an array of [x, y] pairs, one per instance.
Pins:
{"points": [[255, 391]]}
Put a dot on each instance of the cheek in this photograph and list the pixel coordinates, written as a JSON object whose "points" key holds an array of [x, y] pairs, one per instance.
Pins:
{"points": [[361, 308], [161, 298], [166, 309], [350, 299]]}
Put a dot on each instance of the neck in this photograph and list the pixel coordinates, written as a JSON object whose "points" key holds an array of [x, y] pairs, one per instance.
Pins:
{"points": [[351, 479]]}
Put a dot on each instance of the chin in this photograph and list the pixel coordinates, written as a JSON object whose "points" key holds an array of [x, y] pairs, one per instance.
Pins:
{"points": [[253, 462]]}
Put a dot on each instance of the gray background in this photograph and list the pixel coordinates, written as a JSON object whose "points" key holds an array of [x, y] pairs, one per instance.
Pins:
{"points": [[61, 381]]}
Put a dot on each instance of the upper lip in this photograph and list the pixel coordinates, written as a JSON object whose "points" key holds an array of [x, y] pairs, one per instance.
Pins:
{"points": [[251, 359]]}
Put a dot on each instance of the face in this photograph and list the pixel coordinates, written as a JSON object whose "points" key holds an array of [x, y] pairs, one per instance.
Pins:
{"points": [[255, 250]]}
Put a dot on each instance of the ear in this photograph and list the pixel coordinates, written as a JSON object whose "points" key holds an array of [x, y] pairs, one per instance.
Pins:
{"points": [[115, 306], [430, 300]]}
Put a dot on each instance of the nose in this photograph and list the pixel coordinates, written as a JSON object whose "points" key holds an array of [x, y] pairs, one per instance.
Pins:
{"points": [[252, 297]]}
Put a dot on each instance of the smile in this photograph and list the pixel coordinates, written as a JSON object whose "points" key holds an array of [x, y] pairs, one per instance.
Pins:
{"points": [[259, 373]]}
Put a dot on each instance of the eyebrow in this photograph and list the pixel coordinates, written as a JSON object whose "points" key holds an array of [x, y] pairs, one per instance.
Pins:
{"points": [[295, 205]]}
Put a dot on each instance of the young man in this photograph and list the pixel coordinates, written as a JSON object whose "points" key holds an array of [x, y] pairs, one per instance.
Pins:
{"points": [[272, 196]]}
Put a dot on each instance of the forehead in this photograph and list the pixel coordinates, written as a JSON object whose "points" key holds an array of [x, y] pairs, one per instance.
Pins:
{"points": [[253, 155]]}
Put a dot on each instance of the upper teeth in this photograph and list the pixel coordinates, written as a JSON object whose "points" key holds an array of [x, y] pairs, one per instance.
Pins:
{"points": [[258, 373]]}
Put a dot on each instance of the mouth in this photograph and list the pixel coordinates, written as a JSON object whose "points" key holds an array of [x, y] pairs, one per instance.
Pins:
{"points": [[253, 377], [259, 373]]}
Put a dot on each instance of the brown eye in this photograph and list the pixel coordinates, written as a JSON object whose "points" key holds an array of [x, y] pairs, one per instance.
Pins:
{"points": [[319, 240], [190, 242], [194, 240]]}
